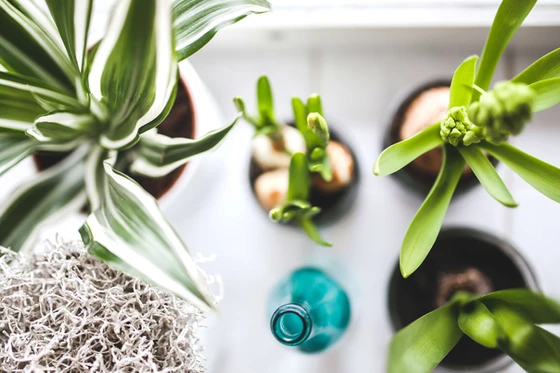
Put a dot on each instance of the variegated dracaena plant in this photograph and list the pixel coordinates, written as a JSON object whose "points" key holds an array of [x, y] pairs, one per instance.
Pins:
{"points": [[102, 107], [480, 122]]}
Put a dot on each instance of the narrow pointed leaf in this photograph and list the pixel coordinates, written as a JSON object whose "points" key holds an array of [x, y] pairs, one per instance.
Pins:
{"points": [[196, 22], [546, 67], [134, 71], [312, 232], [52, 194], [402, 153], [130, 233], [533, 348], [537, 307], [265, 100], [542, 176], [508, 19], [424, 228], [314, 104], [13, 149], [298, 187], [62, 127], [487, 175], [159, 154], [422, 345], [72, 19], [547, 94], [462, 83], [31, 45], [300, 114], [476, 321], [95, 175]]}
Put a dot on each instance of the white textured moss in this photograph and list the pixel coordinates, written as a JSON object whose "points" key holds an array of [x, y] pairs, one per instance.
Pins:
{"points": [[65, 311]]}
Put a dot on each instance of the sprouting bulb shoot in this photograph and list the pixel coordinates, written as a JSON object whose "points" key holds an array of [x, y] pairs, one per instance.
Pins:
{"points": [[318, 125]]}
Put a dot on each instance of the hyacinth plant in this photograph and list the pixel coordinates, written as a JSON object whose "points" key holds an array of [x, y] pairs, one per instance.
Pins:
{"points": [[310, 122], [102, 107], [504, 320], [479, 122]]}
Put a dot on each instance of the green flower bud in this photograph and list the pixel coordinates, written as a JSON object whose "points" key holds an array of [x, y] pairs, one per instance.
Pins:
{"points": [[318, 125], [504, 111], [457, 129]]}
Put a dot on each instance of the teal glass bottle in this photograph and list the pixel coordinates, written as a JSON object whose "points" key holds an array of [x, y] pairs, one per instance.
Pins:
{"points": [[310, 310]]}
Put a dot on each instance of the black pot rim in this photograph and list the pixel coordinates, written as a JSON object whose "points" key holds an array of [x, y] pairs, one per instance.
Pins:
{"points": [[510, 251], [406, 177], [349, 194]]}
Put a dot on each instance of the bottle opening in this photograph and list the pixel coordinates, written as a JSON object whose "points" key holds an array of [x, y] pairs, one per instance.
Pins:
{"points": [[291, 324]]}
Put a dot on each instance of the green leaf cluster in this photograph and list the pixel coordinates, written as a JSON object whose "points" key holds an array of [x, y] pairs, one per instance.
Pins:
{"points": [[478, 124], [505, 320], [310, 122], [103, 106]]}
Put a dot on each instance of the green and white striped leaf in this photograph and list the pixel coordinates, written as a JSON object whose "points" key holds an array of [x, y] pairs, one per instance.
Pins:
{"points": [[95, 174], [31, 45], [195, 22], [62, 127], [52, 194], [546, 67], [13, 149], [159, 154], [72, 19], [422, 345], [134, 71], [426, 224], [130, 233], [19, 101]]}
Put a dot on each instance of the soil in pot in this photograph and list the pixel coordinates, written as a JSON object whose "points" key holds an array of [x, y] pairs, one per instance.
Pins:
{"points": [[461, 259], [179, 123], [333, 203], [418, 109]]}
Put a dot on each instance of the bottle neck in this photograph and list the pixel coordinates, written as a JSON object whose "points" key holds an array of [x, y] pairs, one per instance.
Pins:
{"points": [[291, 324]]}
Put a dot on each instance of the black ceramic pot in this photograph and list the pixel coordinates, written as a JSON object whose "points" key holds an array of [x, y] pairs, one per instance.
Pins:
{"points": [[491, 264], [333, 205], [412, 176]]}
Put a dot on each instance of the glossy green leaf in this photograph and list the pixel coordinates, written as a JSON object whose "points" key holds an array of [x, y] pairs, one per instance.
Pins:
{"points": [[130, 233], [462, 84], [265, 101], [195, 22], [134, 71], [62, 127], [508, 19], [72, 18], [159, 154], [533, 348], [30, 45], [476, 321], [51, 195], [422, 345], [312, 232], [546, 67], [424, 228], [536, 306], [402, 153], [487, 175], [547, 94], [298, 187], [542, 176], [13, 149]]}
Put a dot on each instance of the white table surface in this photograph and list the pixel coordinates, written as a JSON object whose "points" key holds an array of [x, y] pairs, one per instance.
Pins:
{"points": [[218, 215]]}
